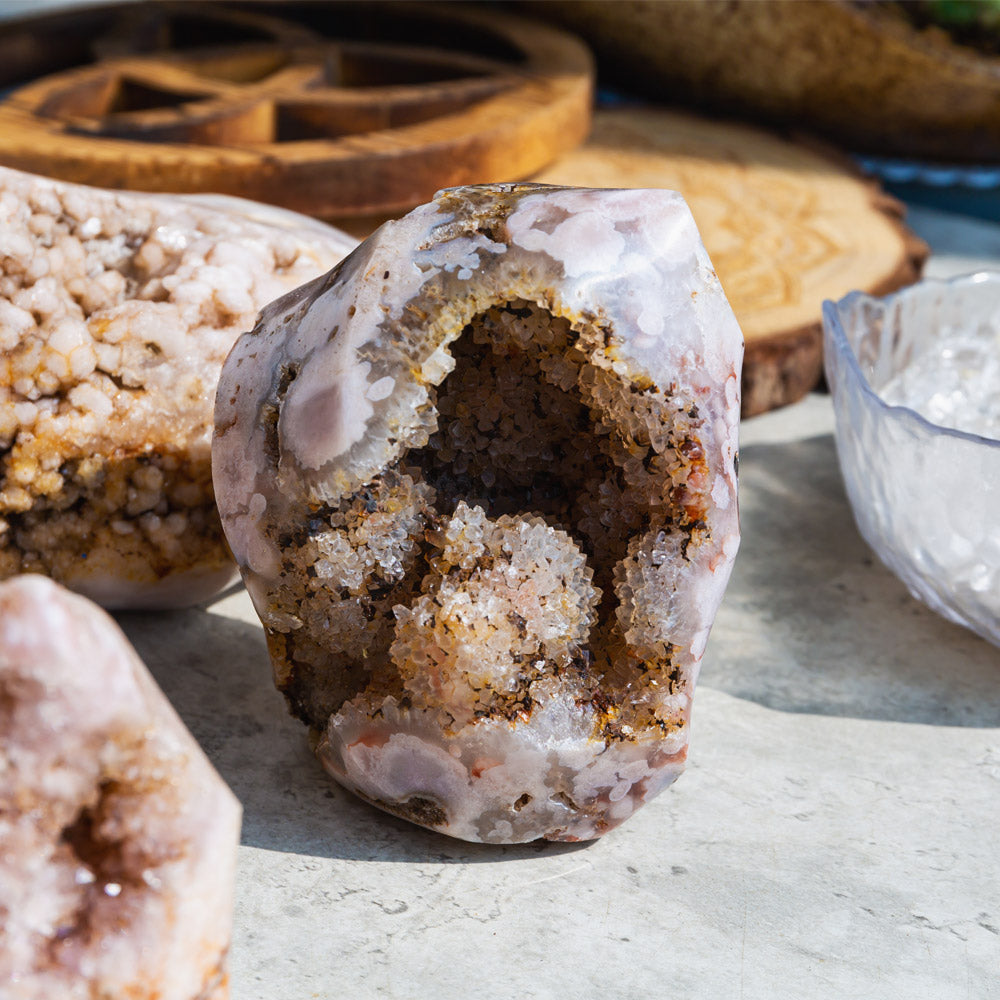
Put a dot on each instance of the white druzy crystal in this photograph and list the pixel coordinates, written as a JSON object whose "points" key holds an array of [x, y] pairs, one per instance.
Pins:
{"points": [[116, 313], [117, 837], [480, 481]]}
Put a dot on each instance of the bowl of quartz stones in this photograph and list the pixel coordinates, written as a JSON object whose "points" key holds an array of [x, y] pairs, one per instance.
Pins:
{"points": [[915, 378]]}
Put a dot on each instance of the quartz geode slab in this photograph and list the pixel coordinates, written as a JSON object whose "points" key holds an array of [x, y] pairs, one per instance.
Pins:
{"points": [[116, 313], [480, 483], [117, 838]]}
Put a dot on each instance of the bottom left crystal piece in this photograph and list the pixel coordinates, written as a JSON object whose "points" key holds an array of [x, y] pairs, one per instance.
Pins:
{"points": [[117, 836]]}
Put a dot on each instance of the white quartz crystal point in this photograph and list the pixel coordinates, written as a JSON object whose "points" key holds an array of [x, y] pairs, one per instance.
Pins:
{"points": [[117, 837], [480, 481], [116, 313]]}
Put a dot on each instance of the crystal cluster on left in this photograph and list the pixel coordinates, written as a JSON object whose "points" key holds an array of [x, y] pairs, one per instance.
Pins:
{"points": [[116, 313], [117, 837]]}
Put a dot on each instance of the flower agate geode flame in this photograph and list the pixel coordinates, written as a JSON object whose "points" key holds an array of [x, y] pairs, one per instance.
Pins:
{"points": [[480, 483], [117, 837]]}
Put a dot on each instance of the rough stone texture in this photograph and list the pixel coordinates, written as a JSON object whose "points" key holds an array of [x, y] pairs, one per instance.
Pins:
{"points": [[117, 838], [116, 313], [480, 483]]}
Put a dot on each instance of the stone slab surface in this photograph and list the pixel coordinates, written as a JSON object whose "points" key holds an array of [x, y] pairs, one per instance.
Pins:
{"points": [[834, 835]]}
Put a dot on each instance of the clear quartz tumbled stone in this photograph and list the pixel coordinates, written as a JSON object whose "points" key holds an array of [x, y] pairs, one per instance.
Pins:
{"points": [[480, 483]]}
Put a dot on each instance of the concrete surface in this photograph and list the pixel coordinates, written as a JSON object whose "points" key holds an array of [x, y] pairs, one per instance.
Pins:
{"points": [[835, 835]]}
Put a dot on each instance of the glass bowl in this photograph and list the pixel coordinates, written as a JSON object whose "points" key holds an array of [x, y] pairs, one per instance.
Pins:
{"points": [[915, 379]]}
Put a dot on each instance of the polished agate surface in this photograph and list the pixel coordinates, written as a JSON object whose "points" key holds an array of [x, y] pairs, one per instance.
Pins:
{"points": [[117, 837], [480, 481]]}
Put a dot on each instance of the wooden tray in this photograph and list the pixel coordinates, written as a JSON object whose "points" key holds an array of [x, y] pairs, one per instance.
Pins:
{"points": [[328, 127], [786, 226]]}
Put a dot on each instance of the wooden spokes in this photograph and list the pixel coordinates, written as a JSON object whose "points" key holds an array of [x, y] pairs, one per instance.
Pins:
{"points": [[330, 128], [249, 97]]}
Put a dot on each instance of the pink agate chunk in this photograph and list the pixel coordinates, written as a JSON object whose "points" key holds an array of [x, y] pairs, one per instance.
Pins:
{"points": [[117, 838], [480, 482], [116, 313]]}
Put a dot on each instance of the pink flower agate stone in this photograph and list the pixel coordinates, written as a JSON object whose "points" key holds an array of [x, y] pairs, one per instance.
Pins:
{"points": [[117, 838], [480, 482]]}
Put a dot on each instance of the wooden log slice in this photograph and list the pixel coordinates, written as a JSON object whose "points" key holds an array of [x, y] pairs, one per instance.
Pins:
{"points": [[329, 128], [786, 226]]}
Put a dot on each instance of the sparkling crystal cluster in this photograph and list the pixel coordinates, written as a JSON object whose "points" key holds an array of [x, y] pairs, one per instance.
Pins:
{"points": [[480, 482], [954, 383], [117, 838], [116, 313]]}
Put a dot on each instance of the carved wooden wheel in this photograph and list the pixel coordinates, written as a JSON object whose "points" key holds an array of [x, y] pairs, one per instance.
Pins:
{"points": [[329, 128]]}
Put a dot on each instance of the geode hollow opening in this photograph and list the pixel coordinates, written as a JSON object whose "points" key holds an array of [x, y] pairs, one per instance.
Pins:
{"points": [[480, 481]]}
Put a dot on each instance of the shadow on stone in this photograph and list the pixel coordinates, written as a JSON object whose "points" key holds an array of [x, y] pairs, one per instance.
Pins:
{"points": [[216, 673], [813, 622]]}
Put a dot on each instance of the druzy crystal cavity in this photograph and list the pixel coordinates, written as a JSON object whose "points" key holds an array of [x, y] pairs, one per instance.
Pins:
{"points": [[480, 482], [117, 837], [116, 313]]}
